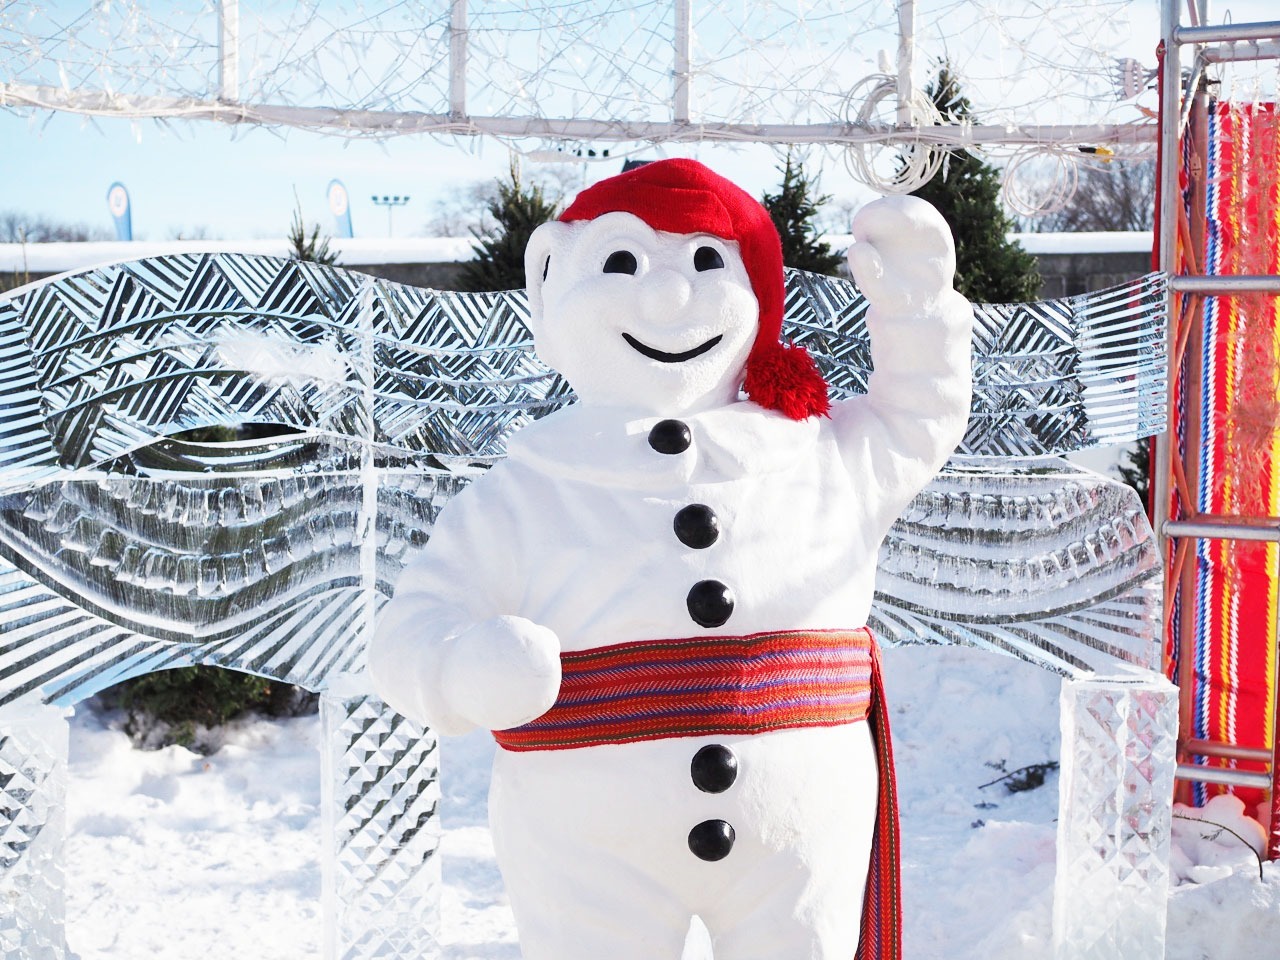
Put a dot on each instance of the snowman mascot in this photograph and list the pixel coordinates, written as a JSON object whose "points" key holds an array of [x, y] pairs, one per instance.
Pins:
{"points": [[657, 600]]}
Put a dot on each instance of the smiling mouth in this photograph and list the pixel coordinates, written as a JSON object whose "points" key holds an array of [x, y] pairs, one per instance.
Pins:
{"points": [[663, 357]]}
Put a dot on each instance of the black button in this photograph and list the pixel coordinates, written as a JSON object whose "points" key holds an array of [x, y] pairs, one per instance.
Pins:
{"points": [[711, 840], [710, 603], [697, 526], [714, 768], [670, 436]]}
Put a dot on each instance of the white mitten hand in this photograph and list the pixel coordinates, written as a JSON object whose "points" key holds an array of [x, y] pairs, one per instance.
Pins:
{"points": [[502, 672], [903, 258]]}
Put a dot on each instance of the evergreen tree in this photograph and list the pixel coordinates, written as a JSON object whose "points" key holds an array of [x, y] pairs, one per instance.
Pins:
{"points": [[1135, 470], [314, 247], [793, 208], [989, 267], [499, 264], [169, 706]]}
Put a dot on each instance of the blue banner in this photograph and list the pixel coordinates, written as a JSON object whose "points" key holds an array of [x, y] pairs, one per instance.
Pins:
{"points": [[121, 212], [340, 204]]}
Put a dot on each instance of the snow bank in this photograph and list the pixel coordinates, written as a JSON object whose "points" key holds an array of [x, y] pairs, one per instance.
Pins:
{"points": [[174, 855], [1114, 241]]}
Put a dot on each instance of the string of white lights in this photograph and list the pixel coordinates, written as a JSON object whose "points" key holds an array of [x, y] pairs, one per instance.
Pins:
{"points": [[1039, 76]]}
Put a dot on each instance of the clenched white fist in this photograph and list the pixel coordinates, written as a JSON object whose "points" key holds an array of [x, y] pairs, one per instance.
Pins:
{"points": [[903, 258], [502, 672]]}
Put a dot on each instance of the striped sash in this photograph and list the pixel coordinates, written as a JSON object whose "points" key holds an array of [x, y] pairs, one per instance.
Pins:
{"points": [[704, 686], [701, 686]]}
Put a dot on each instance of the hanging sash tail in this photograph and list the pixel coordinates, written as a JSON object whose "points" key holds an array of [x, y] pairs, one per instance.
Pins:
{"points": [[708, 686], [882, 901]]}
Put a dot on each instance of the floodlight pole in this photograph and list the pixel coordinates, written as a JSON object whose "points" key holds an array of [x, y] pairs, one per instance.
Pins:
{"points": [[906, 62], [229, 50], [390, 202]]}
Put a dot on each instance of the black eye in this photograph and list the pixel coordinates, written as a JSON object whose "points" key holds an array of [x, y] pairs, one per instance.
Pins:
{"points": [[546, 268], [620, 261], [707, 258]]}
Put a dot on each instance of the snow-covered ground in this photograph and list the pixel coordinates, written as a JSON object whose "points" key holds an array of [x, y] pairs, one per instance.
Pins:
{"points": [[176, 855]]}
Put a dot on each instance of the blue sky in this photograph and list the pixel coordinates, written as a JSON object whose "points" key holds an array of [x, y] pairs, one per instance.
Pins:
{"points": [[240, 183], [235, 182]]}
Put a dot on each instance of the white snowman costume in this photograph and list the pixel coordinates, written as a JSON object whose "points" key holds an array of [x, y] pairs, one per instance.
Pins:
{"points": [[662, 507]]}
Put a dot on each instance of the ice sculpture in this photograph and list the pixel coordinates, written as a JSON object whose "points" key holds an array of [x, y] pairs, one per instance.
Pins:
{"points": [[126, 549]]}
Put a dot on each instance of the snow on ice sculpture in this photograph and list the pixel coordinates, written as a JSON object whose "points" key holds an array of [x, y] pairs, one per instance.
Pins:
{"points": [[125, 548]]}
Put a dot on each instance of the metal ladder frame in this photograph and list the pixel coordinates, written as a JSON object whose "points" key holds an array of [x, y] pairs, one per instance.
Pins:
{"points": [[1183, 108]]}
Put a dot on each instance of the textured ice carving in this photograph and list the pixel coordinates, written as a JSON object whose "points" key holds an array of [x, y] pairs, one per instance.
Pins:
{"points": [[1035, 558], [161, 552], [382, 877], [1114, 825], [1049, 377], [126, 548], [104, 362], [123, 575]]}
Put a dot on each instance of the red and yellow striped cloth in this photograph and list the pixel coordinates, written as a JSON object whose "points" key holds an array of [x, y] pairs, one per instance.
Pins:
{"points": [[709, 686], [1236, 430]]}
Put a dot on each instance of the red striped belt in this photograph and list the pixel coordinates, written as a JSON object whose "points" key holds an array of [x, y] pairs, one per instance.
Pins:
{"points": [[654, 689]]}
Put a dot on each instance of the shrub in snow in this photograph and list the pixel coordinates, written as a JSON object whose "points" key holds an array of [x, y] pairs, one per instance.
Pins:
{"points": [[178, 706]]}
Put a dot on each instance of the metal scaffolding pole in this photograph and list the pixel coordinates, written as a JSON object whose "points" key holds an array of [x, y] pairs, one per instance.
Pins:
{"points": [[683, 39], [458, 59], [229, 50]]}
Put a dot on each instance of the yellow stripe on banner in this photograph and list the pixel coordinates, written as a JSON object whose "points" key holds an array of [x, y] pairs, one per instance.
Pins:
{"points": [[1273, 498], [1273, 549]]}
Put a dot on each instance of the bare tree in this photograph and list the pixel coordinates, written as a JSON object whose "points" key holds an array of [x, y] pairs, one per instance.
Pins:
{"points": [[463, 211], [1115, 195], [18, 227], [200, 232], [836, 215]]}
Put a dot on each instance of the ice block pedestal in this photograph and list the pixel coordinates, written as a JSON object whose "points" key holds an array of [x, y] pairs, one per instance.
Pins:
{"points": [[380, 794], [1114, 819], [33, 787]]}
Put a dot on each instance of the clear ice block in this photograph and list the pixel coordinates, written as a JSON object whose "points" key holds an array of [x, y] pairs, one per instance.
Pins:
{"points": [[33, 787], [380, 795], [1119, 738]]}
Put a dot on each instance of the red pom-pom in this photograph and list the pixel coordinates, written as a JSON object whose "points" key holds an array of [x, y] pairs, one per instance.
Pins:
{"points": [[783, 377]]}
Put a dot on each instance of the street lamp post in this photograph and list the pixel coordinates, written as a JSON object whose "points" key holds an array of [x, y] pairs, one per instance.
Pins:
{"points": [[390, 202]]}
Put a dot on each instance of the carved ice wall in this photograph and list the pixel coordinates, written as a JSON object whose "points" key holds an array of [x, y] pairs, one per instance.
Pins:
{"points": [[124, 549]]}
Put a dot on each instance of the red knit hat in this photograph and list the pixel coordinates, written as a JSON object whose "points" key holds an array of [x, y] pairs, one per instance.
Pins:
{"points": [[683, 196]]}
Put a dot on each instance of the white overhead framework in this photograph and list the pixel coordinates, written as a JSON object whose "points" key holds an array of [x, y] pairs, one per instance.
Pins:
{"points": [[382, 122], [457, 59], [676, 71], [229, 50]]}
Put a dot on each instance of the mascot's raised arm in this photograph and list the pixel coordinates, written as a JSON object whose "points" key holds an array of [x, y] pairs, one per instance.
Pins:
{"points": [[658, 600]]}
